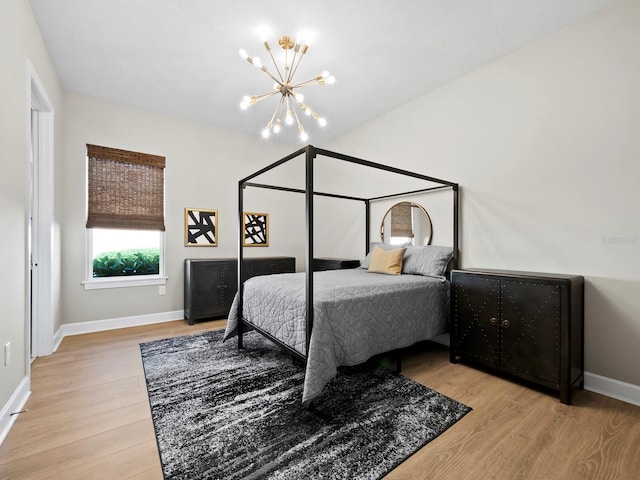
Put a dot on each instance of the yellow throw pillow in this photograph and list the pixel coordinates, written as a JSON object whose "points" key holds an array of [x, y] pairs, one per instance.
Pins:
{"points": [[386, 261]]}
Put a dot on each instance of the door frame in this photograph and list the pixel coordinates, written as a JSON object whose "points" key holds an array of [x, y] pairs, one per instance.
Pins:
{"points": [[40, 282]]}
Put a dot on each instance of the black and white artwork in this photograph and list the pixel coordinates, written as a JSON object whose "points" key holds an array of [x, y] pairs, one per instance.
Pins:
{"points": [[256, 229], [200, 228]]}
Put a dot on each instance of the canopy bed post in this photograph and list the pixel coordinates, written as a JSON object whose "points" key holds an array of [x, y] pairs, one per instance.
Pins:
{"points": [[309, 250], [367, 223], [456, 251], [240, 257]]}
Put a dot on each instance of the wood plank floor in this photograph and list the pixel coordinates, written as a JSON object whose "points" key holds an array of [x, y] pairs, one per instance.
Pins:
{"points": [[89, 418]]}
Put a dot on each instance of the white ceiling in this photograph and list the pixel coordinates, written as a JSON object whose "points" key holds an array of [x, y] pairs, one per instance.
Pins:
{"points": [[180, 57]]}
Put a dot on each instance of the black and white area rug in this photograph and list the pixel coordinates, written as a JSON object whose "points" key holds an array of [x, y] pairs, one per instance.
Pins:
{"points": [[224, 413]]}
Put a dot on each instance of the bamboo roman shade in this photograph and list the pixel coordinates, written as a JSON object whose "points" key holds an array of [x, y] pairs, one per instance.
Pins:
{"points": [[125, 189], [401, 224]]}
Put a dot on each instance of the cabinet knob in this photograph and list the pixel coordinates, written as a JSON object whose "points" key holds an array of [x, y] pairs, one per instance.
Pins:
{"points": [[493, 321], [506, 323]]}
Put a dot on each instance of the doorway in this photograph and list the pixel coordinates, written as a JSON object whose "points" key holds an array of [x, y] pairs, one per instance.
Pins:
{"points": [[39, 298]]}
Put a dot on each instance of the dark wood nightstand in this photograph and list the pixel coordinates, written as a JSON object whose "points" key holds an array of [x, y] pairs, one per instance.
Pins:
{"points": [[320, 264], [526, 324]]}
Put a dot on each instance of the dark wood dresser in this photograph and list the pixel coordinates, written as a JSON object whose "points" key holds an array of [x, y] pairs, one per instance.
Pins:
{"points": [[210, 284], [320, 264], [526, 324]]}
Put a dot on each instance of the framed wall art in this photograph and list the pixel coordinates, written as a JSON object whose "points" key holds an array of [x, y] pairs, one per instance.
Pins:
{"points": [[256, 229], [200, 227]]}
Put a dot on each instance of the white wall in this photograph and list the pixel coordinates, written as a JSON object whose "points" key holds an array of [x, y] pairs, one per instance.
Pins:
{"points": [[545, 144], [203, 166], [20, 43]]}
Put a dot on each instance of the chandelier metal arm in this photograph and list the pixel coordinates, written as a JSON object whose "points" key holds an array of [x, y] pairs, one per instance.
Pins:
{"points": [[300, 127], [260, 66], [270, 75], [279, 107], [275, 64], [307, 110], [295, 114], [276, 112], [294, 69], [258, 98], [293, 65], [309, 83]]}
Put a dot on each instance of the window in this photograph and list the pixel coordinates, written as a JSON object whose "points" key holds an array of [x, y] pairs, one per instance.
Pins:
{"points": [[125, 218]]}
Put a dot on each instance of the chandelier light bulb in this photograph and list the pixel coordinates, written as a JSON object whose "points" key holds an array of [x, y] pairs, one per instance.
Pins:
{"points": [[288, 119], [243, 53], [322, 122], [299, 97], [303, 135], [302, 38], [276, 127], [265, 133], [331, 79], [263, 32], [257, 62]]}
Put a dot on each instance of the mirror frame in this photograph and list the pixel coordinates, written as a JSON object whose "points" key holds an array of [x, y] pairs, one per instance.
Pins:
{"points": [[413, 205]]}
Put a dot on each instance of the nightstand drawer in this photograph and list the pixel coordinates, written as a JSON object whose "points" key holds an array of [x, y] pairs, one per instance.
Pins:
{"points": [[320, 264]]}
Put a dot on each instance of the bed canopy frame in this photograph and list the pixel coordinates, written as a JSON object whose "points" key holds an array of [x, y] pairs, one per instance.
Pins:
{"points": [[310, 152]]}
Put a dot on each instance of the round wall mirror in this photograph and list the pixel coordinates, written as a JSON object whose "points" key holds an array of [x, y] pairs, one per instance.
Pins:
{"points": [[406, 223]]}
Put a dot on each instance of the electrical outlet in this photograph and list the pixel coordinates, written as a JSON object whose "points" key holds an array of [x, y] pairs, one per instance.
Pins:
{"points": [[7, 353], [161, 290]]}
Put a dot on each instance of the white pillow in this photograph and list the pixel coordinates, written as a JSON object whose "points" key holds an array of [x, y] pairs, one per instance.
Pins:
{"points": [[428, 260]]}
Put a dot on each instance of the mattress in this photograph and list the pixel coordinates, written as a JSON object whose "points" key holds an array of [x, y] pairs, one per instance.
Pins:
{"points": [[357, 314]]}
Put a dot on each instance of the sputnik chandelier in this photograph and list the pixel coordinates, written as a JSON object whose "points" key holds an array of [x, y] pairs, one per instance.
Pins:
{"points": [[290, 98]]}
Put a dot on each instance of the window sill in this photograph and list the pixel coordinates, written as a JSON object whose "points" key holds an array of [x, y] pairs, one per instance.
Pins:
{"points": [[124, 282]]}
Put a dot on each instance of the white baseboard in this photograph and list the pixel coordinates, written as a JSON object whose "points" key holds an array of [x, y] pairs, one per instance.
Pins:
{"points": [[57, 338], [122, 322], [627, 392], [15, 404]]}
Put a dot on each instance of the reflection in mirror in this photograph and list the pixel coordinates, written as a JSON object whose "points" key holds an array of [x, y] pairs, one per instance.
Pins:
{"points": [[406, 223]]}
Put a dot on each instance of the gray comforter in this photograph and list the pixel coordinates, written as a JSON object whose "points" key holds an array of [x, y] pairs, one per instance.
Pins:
{"points": [[357, 314]]}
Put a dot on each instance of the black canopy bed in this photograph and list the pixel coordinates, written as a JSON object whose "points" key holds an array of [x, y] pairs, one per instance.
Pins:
{"points": [[343, 317]]}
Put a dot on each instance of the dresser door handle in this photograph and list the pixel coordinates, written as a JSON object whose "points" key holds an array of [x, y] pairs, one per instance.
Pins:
{"points": [[506, 323], [493, 321]]}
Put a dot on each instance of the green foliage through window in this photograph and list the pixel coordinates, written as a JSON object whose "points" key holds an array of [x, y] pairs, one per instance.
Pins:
{"points": [[135, 261]]}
